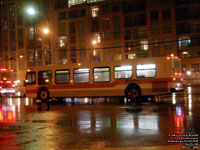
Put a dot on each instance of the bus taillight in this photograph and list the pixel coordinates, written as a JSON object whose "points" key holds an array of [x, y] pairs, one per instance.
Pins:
{"points": [[13, 85], [178, 74], [181, 79], [174, 79], [3, 69], [0, 87]]}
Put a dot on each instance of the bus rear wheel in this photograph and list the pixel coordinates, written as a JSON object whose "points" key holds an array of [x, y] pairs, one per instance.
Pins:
{"points": [[43, 95], [133, 93]]}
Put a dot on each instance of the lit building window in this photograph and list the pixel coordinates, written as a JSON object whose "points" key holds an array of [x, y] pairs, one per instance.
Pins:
{"points": [[31, 33], [185, 53], [95, 12], [132, 56], [76, 2], [184, 42], [96, 38], [62, 41], [144, 45]]}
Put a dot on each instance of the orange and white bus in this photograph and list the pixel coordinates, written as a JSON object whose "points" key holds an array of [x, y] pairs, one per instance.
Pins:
{"points": [[123, 78]]}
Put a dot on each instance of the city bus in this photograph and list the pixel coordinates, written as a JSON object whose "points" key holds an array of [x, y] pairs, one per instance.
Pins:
{"points": [[7, 85], [131, 79]]}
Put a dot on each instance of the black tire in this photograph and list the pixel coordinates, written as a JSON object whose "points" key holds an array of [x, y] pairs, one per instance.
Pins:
{"points": [[43, 94], [133, 92], [43, 106]]}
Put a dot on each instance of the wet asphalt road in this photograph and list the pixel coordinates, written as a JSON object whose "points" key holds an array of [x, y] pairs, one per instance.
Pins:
{"points": [[97, 126]]}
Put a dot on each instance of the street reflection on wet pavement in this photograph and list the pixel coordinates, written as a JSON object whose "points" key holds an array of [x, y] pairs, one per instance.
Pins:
{"points": [[96, 126]]}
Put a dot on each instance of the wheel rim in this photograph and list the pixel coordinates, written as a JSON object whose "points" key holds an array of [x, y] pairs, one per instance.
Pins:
{"points": [[133, 93], [43, 95]]}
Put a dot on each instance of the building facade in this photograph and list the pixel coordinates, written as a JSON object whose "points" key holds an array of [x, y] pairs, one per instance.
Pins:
{"points": [[99, 30]]}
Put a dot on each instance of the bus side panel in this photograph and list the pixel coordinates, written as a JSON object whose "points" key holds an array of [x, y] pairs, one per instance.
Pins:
{"points": [[160, 87], [87, 93], [31, 92]]}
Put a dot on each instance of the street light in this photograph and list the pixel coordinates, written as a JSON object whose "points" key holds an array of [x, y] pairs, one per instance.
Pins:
{"points": [[32, 13], [94, 42], [46, 30]]}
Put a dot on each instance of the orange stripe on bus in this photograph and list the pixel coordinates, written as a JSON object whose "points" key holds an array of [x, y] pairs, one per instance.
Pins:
{"points": [[100, 85]]}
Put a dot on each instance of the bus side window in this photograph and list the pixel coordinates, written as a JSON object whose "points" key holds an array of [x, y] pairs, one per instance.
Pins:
{"points": [[62, 76], [146, 71], [30, 78], [123, 72], [44, 77], [101, 74], [81, 75]]}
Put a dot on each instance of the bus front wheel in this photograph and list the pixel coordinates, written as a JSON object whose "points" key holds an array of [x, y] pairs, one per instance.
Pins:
{"points": [[43, 94]]}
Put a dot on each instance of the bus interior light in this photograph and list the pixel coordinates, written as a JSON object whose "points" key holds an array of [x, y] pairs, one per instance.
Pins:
{"points": [[146, 66], [127, 67], [83, 69]]}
